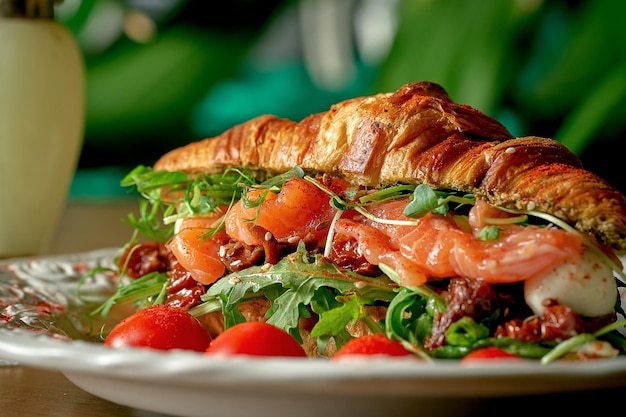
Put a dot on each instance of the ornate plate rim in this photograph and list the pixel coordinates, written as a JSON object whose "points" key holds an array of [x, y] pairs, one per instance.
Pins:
{"points": [[88, 361]]}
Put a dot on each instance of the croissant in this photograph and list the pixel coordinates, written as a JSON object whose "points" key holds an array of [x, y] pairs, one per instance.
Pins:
{"points": [[419, 135]]}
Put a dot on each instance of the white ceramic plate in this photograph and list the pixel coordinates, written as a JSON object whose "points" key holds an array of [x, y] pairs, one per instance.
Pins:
{"points": [[189, 384]]}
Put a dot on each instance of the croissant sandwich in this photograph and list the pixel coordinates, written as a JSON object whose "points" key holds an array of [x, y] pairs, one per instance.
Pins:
{"points": [[402, 213]]}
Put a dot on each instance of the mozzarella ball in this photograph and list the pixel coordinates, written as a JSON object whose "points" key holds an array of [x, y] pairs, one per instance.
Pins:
{"points": [[588, 288]]}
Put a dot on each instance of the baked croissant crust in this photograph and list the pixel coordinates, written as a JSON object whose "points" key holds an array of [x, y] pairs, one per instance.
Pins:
{"points": [[419, 135]]}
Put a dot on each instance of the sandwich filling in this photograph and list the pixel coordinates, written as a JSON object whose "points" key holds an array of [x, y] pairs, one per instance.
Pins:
{"points": [[450, 272]]}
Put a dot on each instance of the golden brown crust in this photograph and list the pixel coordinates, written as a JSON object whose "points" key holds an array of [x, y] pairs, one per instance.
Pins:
{"points": [[418, 135]]}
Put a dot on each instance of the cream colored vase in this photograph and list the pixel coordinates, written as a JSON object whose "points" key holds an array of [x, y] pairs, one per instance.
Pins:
{"points": [[42, 113]]}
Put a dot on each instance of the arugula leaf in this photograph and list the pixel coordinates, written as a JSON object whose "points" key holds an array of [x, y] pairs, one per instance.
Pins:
{"points": [[466, 332], [333, 321], [326, 300], [231, 315], [403, 317], [295, 282]]}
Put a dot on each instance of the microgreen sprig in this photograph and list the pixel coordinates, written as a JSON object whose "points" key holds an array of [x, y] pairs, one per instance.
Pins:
{"points": [[170, 196], [387, 193], [425, 200], [151, 288]]}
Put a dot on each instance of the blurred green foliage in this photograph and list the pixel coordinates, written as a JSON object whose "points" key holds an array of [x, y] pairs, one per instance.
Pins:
{"points": [[141, 93], [553, 68], [545, 68], [148, 91]]}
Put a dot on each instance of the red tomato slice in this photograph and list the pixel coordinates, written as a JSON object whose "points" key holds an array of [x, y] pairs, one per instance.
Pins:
{"points": [[375, 344], [489, 353], [255, 338], [161, 327]]}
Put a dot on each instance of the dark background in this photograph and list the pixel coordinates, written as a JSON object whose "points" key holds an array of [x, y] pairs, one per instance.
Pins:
{"points": [[161, 73]]}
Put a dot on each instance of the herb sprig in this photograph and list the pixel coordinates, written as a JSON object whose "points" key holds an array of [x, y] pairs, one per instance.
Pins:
{"points": [[170, 196], [425, 200]]}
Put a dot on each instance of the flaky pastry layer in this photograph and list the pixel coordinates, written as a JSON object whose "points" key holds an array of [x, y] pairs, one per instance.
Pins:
{"points": [[419, 135]]}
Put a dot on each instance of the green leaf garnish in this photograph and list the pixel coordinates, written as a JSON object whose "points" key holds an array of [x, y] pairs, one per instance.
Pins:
{"points": [[334, 321], [144, 291], [426, 200], [275, 183], [466, 332], [170, 196], [489, 233], [423, 201], [294, 283]]}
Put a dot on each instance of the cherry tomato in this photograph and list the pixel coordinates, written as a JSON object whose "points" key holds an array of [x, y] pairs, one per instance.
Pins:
{"points": [[162, 327], [374, 344], [489, 353], [257, 339]]}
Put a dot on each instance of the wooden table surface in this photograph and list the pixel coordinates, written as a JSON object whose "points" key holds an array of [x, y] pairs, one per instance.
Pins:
{"points": [[29, 392]]}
